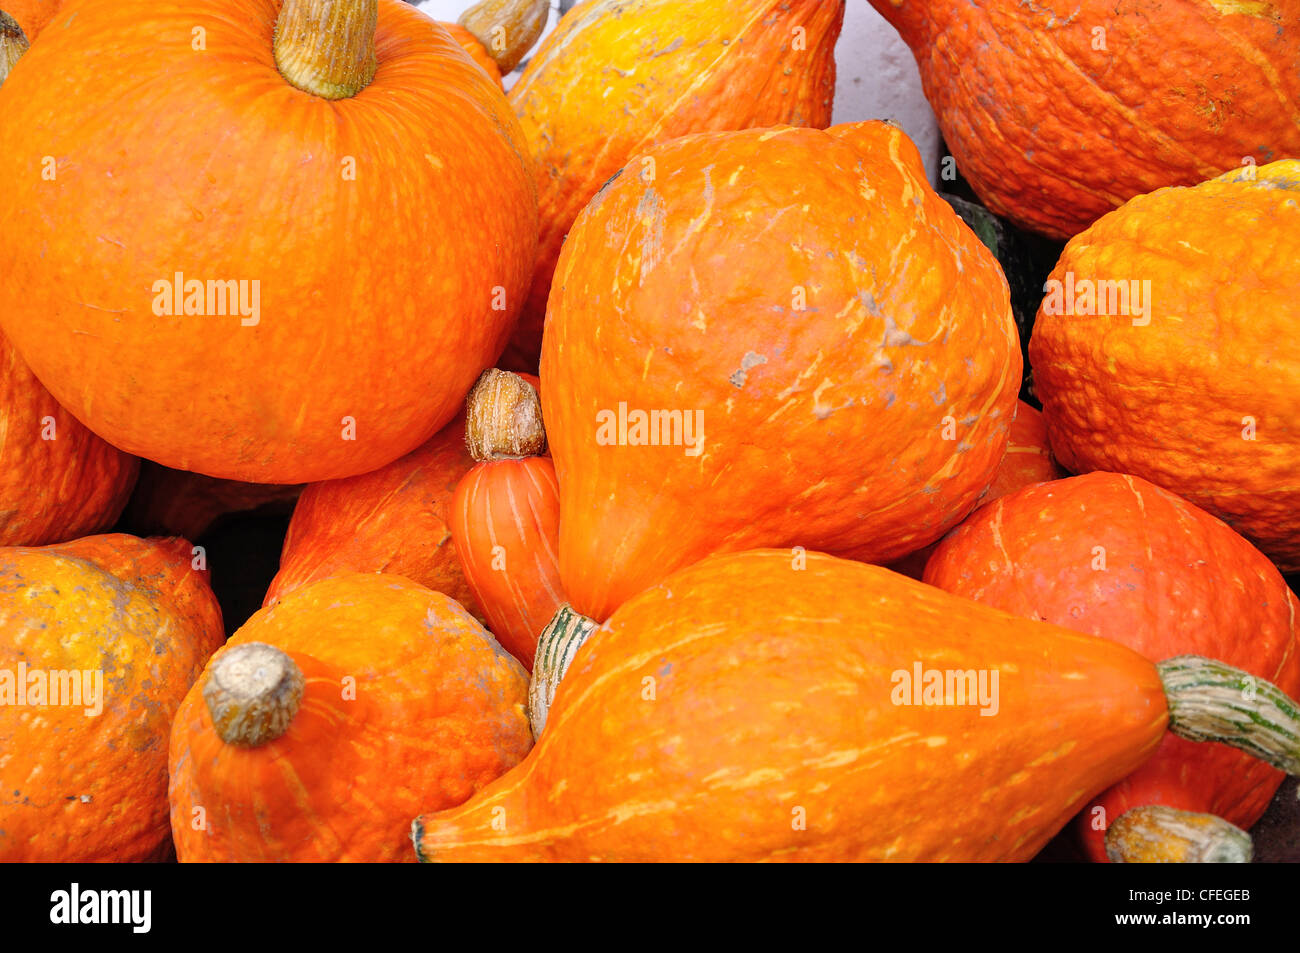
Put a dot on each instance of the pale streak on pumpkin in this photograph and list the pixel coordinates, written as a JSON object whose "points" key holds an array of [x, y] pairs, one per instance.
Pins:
{"points": [[1246, 8], [1251, 52]]}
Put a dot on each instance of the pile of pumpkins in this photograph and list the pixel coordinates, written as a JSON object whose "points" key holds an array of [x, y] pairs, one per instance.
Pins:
{"points": [[661, 486]]}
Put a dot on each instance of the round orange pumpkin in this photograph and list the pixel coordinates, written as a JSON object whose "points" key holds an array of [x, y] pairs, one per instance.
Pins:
{"points": [[121, 627], [740, 355], [618, 76], [1117, 557], [330, 717], [393, 520], [1166, 348], [1058, 111], [220, 270], [58, 480]]}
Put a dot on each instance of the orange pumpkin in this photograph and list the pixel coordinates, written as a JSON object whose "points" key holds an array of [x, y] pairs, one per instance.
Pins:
{"points": [[618, 76], [59, 481], [1028, 460], [505, 514], [1117, 557], [167, 276], [392, 520], [1166, 348], [739, 356], [1060, 110], [759, 707], [112, 631], [328, 717]]}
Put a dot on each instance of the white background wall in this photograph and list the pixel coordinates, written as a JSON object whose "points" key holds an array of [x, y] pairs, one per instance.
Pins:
{"points": [[876, 75]]}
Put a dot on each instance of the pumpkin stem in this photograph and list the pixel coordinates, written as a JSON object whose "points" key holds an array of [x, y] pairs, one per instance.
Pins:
{"points": [[506, 28], [560, 640], [253, 691], [1213, 701], [503, 418], [13, 44], [1156, 834], [327, 47]]}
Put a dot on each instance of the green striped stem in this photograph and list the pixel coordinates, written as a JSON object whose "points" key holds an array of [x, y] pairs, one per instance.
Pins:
{"points": [[560, 640], [1156, 834], [1212, 701]]}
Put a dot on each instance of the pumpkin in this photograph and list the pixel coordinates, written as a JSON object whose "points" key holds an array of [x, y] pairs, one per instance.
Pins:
{"points": [[100, 639], [756, 706], [505, 513], [132, 271], [189, 504], [1115, 556], [1166, 348], [393, 520], [59, 481], [618, 76], [1059, 111], [738, 356], [327, 717], [1028, 460]]}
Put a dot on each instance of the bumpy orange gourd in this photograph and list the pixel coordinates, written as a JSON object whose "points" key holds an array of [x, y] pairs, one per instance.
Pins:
{"points": [[93, 787], [1028, 460], [1117, 557], [827, 349], [756, 706], [616, 77], [219, 270], [505, 514], [401, 698], [1198, 389], [58, 481], [392, 520], [1058, 111]]}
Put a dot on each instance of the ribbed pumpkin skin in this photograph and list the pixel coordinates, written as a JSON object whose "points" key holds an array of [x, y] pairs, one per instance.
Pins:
{"points": [[1176, 581], [772, 701], [58, 489], [438, 711], [618, 76], [1183, 90], [470, 44], [1169, 401], [515, 505], [393, 520], [682, 295], [81, 788], [188, 504], [1028, 460], [367, 312]]}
